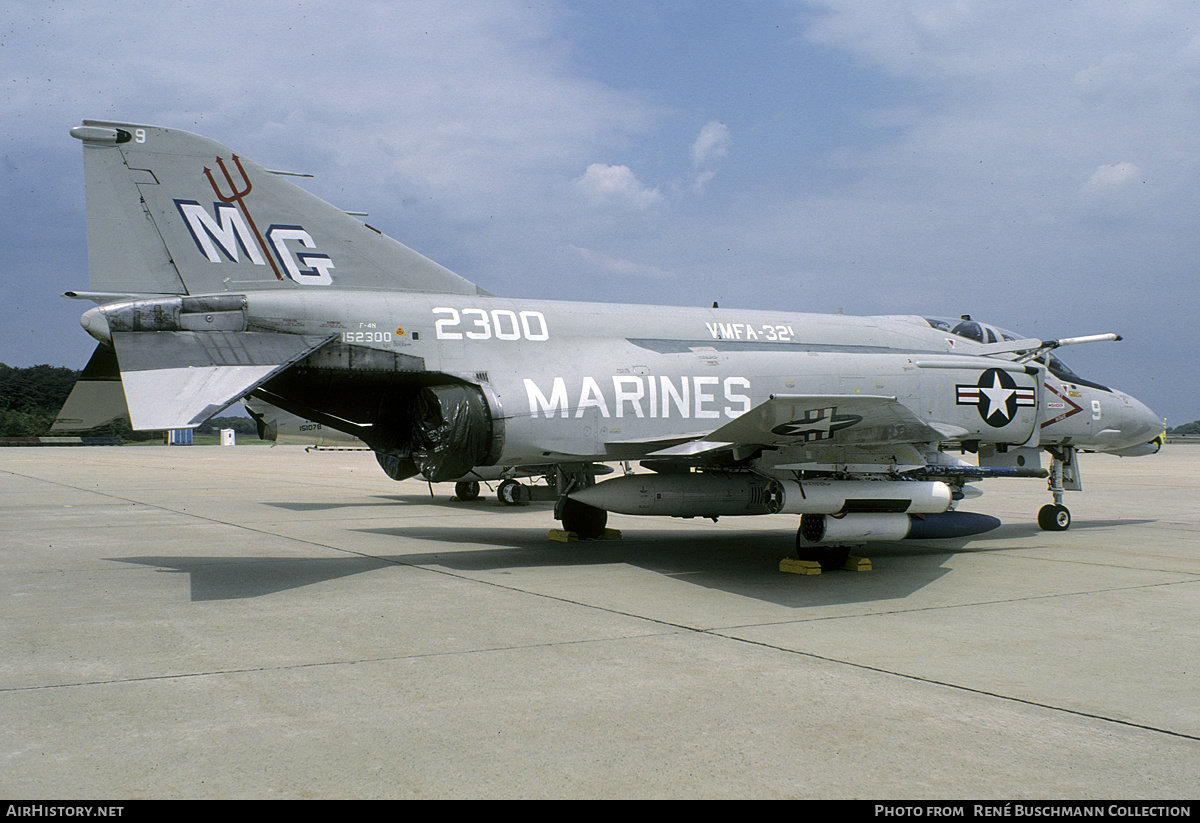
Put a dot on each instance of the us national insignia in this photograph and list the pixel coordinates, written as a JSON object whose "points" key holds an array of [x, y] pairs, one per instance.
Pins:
{"points": [[817, 424], [997, 397]]}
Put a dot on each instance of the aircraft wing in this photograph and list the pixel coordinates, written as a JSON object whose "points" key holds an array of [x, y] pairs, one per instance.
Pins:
{"points": [[786, 420]]}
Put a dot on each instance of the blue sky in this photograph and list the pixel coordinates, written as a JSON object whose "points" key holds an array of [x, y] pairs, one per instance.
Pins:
{"points": [[1035, 164]]}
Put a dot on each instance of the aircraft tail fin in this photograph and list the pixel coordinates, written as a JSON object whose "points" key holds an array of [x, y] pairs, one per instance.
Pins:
{"points": [[170, 212]]}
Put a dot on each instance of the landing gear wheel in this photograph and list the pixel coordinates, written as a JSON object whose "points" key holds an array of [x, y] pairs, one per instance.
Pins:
{"points": [[586, 521], [512, 493], [1054, 518], [466, 490]]}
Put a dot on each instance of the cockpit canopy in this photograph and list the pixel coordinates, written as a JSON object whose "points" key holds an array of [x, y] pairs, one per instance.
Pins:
{"points": [[970, 329]]}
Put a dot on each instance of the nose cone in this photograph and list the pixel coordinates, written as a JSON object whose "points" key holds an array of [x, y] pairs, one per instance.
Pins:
{"points": [[1138, 431]]}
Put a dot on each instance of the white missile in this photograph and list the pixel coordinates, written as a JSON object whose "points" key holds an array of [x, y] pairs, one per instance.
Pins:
{"points": [[835, 496], [851, 529], [680, 495], [720, 494]]}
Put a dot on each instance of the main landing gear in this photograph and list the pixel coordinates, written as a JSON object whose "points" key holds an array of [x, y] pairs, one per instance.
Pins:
{"points": [[587, 522], [1064, 475], [583, 521], [512, 493], [509, 492], [467, 489], [830, 557]]}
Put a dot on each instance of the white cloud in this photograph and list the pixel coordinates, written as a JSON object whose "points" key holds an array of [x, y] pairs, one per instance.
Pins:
{"points": [[609, 265], [701, 179], [712, 142], [1020, 107], [710, 145], [616, 185], [1118, 174], [466, 108]]}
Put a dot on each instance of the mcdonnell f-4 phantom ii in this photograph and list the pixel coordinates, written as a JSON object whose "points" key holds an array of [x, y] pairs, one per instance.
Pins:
{"points": [[216, 279]]}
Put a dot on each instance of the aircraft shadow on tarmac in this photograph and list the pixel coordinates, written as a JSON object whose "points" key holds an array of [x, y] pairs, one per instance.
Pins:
{"points": [[1032, 529], [381, 500], [237, 578], [740, 563]]}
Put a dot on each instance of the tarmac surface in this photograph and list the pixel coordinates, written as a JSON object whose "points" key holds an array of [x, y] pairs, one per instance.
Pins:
{"points": [[252, 622]]}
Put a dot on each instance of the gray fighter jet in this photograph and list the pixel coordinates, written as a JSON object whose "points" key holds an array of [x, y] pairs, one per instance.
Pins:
{"points": [[216, 279]]}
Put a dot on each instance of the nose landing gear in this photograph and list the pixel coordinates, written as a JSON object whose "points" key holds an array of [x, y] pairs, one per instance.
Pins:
{"points": [[1064, 475]]}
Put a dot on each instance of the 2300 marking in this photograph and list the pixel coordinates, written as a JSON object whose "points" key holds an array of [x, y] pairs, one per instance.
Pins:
{"points": [[501, 324]]}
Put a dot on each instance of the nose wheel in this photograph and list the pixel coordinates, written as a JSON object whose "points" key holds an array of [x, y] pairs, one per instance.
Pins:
{"points": [[1054, 518]]}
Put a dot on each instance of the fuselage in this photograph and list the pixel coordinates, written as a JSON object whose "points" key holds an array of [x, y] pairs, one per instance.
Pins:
{"points": [[597, 381]]}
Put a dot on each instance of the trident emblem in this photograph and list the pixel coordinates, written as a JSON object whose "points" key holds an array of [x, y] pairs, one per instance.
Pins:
{"points": [[237, 196]]}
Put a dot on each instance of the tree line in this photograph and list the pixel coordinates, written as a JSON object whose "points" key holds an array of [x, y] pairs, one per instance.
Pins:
{"points": [[31, 398]]}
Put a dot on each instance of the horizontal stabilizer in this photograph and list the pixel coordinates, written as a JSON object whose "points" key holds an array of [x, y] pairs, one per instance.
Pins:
{"points": [[177, 380], [97, 397]]}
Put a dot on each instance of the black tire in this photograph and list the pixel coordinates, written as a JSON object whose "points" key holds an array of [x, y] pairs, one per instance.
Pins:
{"points": [[512, 493], [830, 557], [1054, 518], [586, 521], [466, 490]]}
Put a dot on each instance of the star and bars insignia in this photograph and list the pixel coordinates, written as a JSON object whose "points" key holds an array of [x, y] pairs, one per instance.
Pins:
{"points": [[817, 424], [997, 397]]}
